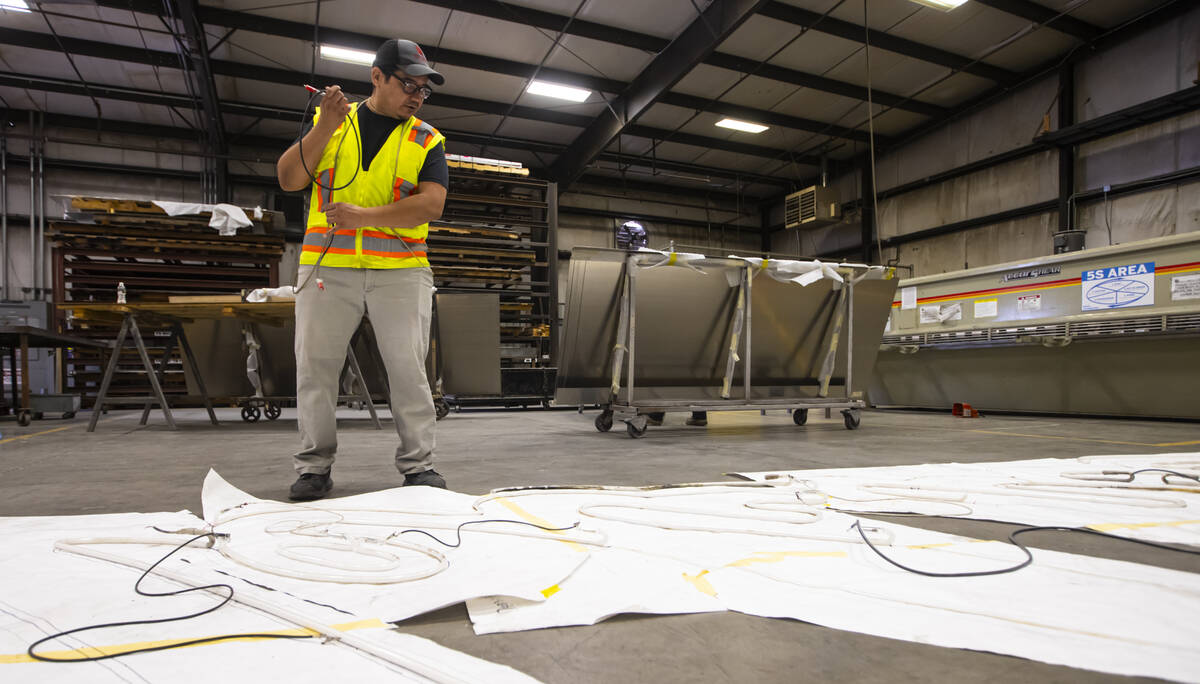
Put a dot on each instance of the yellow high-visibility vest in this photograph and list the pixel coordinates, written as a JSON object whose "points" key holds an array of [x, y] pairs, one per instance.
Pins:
{"points": [[391, 177]]}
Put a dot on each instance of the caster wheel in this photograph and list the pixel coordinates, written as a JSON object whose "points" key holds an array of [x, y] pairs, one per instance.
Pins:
{"points": [[273, 411], [68, 415], [852, 419], [251, 414], [23, 418], [604, 421], [441, 408], [800, 416], [633, 430]]}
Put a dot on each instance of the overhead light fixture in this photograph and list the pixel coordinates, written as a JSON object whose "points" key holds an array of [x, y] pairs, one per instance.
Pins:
{"points": [[340, 54], [943, 5], [741, 125], [14, 5], [561, 92]]}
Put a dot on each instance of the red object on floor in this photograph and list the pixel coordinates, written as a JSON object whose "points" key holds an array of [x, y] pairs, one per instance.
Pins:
{"points": [[964, 410]]}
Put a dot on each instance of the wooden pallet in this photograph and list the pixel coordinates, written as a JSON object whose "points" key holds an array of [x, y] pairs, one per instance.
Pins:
{"points": [[478, 231]]}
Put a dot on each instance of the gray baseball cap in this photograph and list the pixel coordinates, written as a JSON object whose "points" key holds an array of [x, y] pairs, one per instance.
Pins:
{"points": [[407, 55]]}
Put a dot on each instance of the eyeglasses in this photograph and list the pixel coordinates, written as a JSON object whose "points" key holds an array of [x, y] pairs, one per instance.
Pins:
{"points": [[409, 87]]}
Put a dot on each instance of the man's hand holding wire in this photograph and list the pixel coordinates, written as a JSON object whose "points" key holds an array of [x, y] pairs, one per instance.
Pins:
{"points": [[346, 216], [334, 108]]}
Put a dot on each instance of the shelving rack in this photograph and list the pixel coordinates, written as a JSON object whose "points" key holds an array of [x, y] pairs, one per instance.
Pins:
{"points": [[497, 235], [156, 256]]}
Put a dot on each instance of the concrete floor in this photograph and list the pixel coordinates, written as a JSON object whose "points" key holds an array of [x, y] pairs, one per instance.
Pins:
{"points": [[54, 467]]}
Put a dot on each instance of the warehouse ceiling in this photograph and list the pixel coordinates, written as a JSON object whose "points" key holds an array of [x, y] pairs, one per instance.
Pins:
{"points": [[661, 73]]}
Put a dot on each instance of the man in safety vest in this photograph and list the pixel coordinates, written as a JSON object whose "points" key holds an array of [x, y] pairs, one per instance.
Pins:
{"points": [[378, 176]]}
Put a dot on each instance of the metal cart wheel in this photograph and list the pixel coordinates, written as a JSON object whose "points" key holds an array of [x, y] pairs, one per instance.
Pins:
{"points": [[273, 411], [633, 430], [251, 414], [441, 408], [24, 418], [604, 421], [800, 416], [852, 418], [68, 415]]}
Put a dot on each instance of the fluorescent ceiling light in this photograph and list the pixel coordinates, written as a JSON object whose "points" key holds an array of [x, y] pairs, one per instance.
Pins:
{"points": [[943, 5], [14, 5], [341, 54], [562, 92], [741, 125]]}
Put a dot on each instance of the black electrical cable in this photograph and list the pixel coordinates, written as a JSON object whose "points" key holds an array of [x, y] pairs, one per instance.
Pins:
{"points": [[137, 588], [331, 188], [337, 153], [458, 530], [1012, 538], [1169, 473]]}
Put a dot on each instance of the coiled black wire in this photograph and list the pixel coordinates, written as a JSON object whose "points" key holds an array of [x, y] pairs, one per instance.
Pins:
{"points": [[137, 588], [1012, 538]]}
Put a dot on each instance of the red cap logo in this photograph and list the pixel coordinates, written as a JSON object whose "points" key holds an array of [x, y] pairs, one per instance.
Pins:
{"points": [[420, 54]]}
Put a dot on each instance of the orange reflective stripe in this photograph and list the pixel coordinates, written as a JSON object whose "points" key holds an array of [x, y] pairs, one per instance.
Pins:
{"points": [[332, 250], [401, 189], [376, 234], [395, 255], [324, 188]]}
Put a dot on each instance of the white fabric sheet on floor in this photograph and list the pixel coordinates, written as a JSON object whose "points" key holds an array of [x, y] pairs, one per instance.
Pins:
{"points": [[1032, 492], [47, 591], [1067, 609], [773, 549]]}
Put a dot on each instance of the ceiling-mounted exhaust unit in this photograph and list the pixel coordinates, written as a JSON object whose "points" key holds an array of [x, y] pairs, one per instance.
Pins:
{"points": [[811, 207]]}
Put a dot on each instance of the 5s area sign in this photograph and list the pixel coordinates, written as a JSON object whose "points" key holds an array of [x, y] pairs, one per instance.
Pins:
{"points": [[1117, 287]]}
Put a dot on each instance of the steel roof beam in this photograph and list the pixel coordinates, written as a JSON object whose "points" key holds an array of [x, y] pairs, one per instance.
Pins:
{"points": [[68, 87], [1041, 14], [79, 46], [697, 41], [885, 41], [362, 41], [557, 22]]}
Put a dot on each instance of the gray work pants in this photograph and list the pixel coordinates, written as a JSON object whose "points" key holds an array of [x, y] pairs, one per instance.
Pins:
{"points": [[400, 303]]}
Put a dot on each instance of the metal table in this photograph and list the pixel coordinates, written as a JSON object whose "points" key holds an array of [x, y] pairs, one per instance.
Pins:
{"points": [[21, 338], [173, 315]]}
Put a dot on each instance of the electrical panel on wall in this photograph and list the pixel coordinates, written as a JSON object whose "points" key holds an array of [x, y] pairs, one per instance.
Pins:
{"points": [[812, 207]]}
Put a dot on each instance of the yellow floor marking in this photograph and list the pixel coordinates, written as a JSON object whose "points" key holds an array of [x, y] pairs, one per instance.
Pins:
{"points": [[1107, 527], [1074, 439], [702, 585], [529, 517], [780, 556], [1165, 444], [35, 434], [91, 651]]}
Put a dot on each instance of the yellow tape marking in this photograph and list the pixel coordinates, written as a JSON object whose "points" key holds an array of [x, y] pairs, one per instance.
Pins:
{"points": [[551, 590], [1165, 444], [1073, 439], [702, 585], [93, 651], [35, 434], [1108, 527], [944, 544], [529, 517], [671, 260], [780, 556]]}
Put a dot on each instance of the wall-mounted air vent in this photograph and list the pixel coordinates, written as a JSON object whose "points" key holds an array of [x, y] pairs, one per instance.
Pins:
{"points": [[811, 207]]}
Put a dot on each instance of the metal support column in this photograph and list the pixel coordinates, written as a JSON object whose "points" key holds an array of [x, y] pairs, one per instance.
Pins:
{"points": [[1066, 152], [868, 212]]}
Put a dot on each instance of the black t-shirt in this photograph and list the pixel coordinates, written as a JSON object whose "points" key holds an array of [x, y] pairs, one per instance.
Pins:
{"points": [[374, 129]]}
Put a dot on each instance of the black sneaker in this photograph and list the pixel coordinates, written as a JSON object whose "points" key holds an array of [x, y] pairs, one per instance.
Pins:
{"points": [[427, 478], [311, 486]]}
